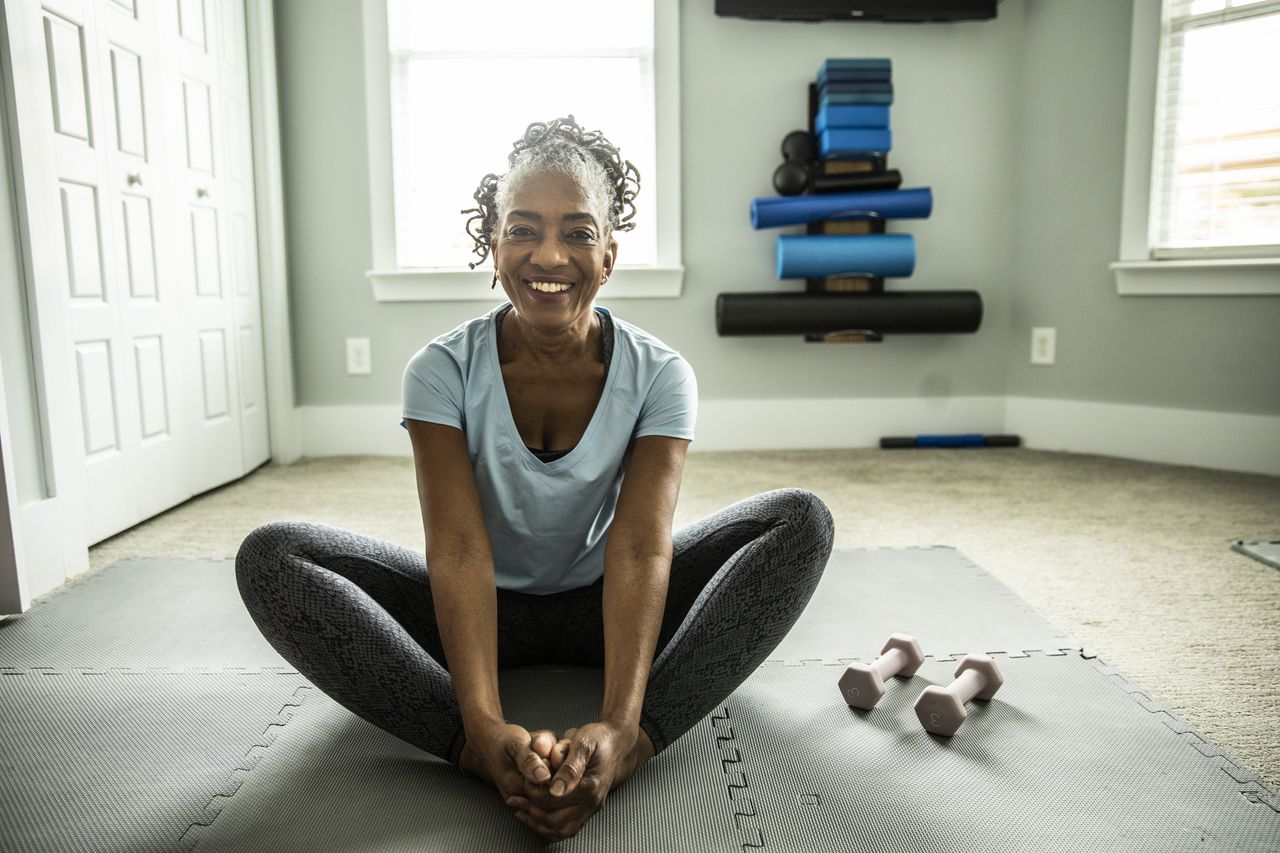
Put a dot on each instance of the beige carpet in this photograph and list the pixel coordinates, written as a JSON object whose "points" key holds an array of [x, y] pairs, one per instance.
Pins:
{"points": [[1132, 558]]}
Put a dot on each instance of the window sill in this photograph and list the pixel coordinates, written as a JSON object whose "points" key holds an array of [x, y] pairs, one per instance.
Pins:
{"points": [[466, 285], [1227, 277]]}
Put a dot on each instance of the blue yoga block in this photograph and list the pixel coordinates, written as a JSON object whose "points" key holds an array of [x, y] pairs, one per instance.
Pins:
{"points": [[827, 98], [874, 116], [776, 211], [860, 63], [832, 143], [817, 256]]}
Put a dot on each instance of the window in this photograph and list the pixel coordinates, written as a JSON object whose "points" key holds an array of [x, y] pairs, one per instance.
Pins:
{"points": [[1201, 201], [1216, 163], [449, 92]]}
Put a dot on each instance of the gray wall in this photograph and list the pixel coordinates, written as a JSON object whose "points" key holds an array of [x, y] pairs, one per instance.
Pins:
{"points": [[992, 116], [1195, 352]]}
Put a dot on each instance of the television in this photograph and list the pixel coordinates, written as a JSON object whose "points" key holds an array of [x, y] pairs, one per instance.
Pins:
{"points": [[904, 11]]}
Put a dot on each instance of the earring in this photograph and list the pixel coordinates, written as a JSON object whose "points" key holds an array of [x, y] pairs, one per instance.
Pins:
{"points": [[495, 280]]}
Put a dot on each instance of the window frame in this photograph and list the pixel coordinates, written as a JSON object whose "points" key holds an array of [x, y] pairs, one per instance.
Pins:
{"points": [[392, 283], [1136, 272]]}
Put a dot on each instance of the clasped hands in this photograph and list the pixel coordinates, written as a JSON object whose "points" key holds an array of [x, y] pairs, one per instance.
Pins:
{"points": [[553, 784]]}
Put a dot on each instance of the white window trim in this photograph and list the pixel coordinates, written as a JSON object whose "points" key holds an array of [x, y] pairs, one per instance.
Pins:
{"points": [[1135, 272], [391, 283]]}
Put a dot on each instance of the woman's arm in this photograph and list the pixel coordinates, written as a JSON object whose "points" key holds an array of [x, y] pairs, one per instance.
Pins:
{"points": [[460, 569], [637, 567]]}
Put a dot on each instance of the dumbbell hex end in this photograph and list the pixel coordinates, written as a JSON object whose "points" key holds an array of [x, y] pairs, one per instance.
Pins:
{"points": [[861, 686], [910, 647], [940, 711], [991, 677]]}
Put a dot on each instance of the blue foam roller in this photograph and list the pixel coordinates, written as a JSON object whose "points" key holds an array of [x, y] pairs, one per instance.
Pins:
{"points": [[817, 256], [776, 211]]}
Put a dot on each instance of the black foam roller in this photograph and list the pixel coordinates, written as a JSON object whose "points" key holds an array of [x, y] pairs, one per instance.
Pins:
{"points": [[856, 182], [914, 312]]}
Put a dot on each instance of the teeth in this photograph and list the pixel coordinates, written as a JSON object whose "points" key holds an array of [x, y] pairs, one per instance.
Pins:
{"points": [[549, 287]]}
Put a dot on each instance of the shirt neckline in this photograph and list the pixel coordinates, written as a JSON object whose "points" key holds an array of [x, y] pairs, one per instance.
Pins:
{"points": [[526, 454]]}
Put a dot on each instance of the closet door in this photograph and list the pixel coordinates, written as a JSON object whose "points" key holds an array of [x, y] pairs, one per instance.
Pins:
{"points": [[137, 216], [192, 98], [242, 229]]}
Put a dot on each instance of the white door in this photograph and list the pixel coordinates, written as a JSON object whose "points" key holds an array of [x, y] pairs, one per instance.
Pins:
{"points": [[137, 207]]}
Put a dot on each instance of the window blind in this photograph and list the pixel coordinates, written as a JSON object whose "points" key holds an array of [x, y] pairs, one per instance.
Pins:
{"points": [[1216, 161]]}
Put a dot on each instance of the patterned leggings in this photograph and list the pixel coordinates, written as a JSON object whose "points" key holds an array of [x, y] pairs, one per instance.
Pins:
{"points": [[354, 615]]}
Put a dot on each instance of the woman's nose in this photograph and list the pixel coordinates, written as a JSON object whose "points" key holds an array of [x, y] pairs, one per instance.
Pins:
{"points": [[549, 253]]}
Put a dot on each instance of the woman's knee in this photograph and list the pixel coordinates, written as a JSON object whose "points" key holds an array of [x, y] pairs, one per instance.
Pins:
{"points": [[804, 512]]}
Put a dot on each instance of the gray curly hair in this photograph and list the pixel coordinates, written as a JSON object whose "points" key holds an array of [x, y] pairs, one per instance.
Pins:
{"points": [[560, 145]]}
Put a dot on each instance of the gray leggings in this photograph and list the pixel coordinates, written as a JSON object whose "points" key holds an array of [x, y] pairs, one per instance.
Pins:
{"points": [[354, 615]]}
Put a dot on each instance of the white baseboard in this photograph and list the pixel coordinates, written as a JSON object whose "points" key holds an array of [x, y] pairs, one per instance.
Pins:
{"points": [[803, 424], [1225, 440], [722, 424]]}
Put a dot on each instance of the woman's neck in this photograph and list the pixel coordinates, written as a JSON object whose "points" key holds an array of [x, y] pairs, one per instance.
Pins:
{"points": [[523, 342]]}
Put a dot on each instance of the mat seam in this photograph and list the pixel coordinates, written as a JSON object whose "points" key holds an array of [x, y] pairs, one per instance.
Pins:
{"points": [[745, 816], [199, 829]]}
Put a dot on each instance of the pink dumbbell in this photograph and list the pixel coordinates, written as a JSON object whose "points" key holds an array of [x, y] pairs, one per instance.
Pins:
{"points": [[941, 709], [862, 685]]}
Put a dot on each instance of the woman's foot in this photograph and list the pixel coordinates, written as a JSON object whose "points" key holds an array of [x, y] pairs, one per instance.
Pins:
{"points": [[640, 753]]}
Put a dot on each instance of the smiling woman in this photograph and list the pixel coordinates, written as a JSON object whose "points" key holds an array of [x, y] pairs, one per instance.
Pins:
{"points": [[549, 450]]}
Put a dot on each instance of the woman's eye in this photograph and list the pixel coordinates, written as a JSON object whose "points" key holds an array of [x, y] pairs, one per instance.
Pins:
{"points": [[519, 231], [582, 234]]}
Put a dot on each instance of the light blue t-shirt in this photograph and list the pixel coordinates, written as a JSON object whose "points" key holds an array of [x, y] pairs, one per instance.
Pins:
{"points": [[548, 522]]}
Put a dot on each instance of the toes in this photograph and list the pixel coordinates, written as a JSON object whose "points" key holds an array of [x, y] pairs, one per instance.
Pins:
{"points": [[543, 742]]}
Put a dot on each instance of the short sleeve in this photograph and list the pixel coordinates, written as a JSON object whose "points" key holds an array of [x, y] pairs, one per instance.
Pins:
{"points": [[432, 388], [671, 407]]}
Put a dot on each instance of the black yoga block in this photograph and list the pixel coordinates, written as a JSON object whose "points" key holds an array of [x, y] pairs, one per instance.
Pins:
{"points": [[915, 312]]}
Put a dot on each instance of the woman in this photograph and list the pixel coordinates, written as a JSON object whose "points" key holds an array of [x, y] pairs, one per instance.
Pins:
{"points": [[549, 439]]}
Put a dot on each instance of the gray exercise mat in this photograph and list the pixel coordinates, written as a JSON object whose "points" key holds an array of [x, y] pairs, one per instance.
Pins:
{"points": [[141, 612], [1263, 550], [939, 596], [126, 762], [126, 731]]}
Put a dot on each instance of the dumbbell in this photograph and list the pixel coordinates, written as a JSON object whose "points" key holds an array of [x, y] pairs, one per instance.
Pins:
{"points": [[862, 685], [941, 709]]}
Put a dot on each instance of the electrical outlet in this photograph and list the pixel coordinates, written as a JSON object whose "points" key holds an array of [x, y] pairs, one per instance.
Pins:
{"points": [[1044, 345], [359, 360]]}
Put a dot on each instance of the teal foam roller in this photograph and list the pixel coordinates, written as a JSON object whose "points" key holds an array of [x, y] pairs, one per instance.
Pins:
{"points": [[818, 256]]}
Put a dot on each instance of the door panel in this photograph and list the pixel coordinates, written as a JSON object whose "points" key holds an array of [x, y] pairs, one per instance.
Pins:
{"points": [[64, 43], [97, 397]]}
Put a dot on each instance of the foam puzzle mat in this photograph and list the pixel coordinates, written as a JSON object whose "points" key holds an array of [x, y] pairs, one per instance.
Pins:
{"points": [[144, 712]]}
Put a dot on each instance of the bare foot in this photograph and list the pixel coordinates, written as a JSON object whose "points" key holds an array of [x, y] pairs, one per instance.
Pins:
{"points": [[640, 753], [560, 751], [544, 743]]}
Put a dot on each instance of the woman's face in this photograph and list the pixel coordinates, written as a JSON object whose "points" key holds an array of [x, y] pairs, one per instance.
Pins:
{"points": [[550, 234]]}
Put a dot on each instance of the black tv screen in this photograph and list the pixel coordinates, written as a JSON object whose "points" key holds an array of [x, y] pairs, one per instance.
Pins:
{"points": [[908, 11]]}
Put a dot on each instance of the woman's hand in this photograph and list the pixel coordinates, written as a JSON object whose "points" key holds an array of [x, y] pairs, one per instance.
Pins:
{"points": [[502, 754], [599, 757]]}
